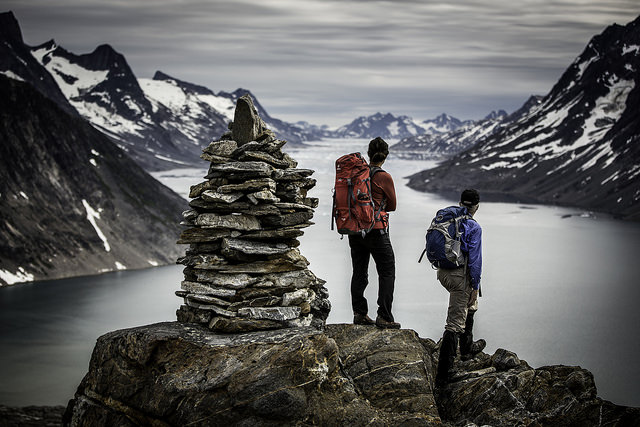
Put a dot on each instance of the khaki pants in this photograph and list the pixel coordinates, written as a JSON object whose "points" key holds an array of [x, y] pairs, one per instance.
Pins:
{"points": [[458, 282]]}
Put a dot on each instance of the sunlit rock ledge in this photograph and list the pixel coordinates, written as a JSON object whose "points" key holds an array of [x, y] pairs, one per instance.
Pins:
{"points": [[183, 374]]}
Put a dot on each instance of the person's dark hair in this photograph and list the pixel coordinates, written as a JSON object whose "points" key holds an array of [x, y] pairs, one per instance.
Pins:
{"points": [[378, 150], [470, 197]]}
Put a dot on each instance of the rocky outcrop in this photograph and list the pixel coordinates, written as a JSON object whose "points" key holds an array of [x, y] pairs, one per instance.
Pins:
{"points": [[177, 374], [243, 269], [180, 374], [503, 390]]}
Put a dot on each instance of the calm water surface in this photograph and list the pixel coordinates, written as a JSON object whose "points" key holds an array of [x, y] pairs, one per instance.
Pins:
{"points": [[556, 290]]}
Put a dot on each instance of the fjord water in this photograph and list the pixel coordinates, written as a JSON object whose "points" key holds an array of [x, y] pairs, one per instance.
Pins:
{"points": [[559, 287]]}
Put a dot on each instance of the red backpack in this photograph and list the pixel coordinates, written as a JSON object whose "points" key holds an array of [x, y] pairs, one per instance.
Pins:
{"points": [[353, 208]]}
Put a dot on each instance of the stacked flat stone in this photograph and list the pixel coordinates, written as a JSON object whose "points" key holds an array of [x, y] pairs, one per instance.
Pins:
{"points": [[244, 271]]}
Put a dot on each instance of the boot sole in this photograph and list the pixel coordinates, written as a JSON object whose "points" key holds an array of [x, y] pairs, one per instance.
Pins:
{"points": [[388, 326]]}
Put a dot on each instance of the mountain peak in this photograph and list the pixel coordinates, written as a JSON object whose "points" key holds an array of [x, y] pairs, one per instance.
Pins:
{"points": [[379, 116], [104, 57], [160, 76], [442, 123], [9, 27], [444, 118], [49, 45], [496, 114], [105, 49]]}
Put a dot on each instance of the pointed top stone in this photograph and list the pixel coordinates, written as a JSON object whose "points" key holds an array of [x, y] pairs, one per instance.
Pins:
{"points": [[247, 124]]}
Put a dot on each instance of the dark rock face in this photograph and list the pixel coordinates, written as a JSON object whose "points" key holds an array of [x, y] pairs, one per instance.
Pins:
{"points": [[72, 202], [179, 374], [16, 61], [9, 28]]}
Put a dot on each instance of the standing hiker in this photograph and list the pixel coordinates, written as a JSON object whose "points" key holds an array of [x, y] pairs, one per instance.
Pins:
{"points": [[462, 281], [376, 244]]}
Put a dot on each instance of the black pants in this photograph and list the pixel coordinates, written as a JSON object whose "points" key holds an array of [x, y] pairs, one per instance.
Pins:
{"points": [[378, 245]]}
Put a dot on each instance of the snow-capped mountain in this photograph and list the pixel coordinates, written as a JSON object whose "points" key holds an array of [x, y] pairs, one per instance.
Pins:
{"points": [[447, 143], [382, 125], [197, 102], [195, 108], [162, 122], [318, 131], [442, 124], [496, 115], [103, 89], [396, 127], [579, 146], [72, 202]]}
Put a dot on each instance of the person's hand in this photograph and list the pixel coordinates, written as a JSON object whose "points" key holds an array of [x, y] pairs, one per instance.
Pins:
{"points": [[473, 297]]}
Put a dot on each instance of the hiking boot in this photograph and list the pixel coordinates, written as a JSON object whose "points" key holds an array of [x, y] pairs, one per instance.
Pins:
{"points": [[385, 324], [448, 348], [468, 347], [362, 319], [475, 348], [444, 380]]}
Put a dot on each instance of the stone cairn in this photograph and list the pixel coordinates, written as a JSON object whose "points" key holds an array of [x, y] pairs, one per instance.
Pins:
{"points": [[243, 269]]}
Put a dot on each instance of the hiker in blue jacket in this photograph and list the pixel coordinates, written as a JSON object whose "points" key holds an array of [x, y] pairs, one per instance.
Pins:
{"points": [[463, 285]]}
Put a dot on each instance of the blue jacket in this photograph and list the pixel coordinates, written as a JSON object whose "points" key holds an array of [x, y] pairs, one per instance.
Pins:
{"points": [[471, 244]]}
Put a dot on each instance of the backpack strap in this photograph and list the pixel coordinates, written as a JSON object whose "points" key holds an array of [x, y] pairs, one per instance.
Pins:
{"points": [[350, 195], [333, 210], [372, 171], [376, 216]]}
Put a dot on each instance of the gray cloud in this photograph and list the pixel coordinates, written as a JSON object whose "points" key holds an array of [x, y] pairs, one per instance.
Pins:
{"points": [[330, 61]]}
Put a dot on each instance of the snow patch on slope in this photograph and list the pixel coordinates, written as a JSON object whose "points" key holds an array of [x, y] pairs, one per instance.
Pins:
{"points": [[171, 95], [19, 276], [92, 215], [12, 75], [165, 92], [72, 79]]}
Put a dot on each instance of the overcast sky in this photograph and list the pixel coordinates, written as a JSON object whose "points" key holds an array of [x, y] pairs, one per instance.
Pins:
{"points": [[328, 62]]}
